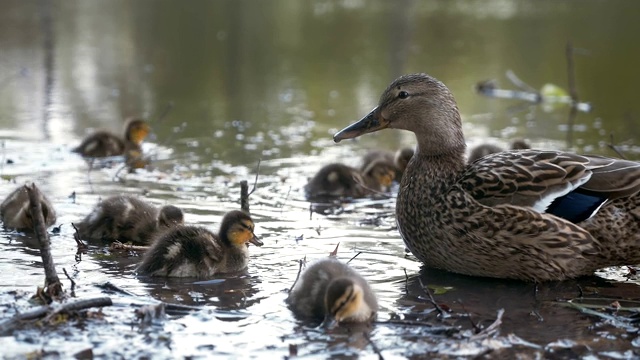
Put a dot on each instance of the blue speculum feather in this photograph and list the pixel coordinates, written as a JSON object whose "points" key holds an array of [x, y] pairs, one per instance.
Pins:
{"points": [[577, 205]]}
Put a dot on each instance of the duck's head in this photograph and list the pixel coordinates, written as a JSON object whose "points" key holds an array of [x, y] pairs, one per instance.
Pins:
{"points": [[136, 130], [383, 171], [344, 302], [237, 229], [418, 103], [170, 216], [402, 158]]}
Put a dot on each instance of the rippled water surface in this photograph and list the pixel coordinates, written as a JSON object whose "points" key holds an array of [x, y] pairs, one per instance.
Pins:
{"points": [[270, 82]]}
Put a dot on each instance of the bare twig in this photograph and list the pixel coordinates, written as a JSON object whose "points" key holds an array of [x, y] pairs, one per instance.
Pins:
{"points": [[301, 262], [165, 112], [255, 182], [82, 247], [489, 330], [117, 245], [335, 251], [244, 196], [515, 80], [406, 282], [573, 92], [53, 286], [443, 314], [354, 256], [475, 326], [373, 345], [613, 147], [285, 200], [51, 310], [73, 283]]}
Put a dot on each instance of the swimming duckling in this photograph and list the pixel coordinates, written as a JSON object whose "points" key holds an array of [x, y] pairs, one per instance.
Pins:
{"points": [[483, 150], [191, 251], [104, 143], [15, 212], [127, 219], [401, 159], [329, 289], [339, 180]]}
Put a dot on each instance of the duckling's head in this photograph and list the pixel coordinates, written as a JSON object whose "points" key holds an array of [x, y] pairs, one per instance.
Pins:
{"points": [[383, 171], [418, 103], [344, 302], [520, 144], [170, 216], [402, 158], [136, 130], [236, 229]]}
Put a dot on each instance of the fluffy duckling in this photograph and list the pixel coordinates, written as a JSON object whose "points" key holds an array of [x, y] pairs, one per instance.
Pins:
{"points": [[401, 160], [127, 219], [338, 180], [191, 251], [483, 150], [104, 143], [15, 212], [329, 289]]}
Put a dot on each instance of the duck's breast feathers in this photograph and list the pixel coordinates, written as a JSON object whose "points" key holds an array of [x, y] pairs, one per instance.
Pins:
{"points": [[537, 178]]}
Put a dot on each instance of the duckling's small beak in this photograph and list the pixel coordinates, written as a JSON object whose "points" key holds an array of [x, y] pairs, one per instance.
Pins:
{"points": [[329, 322], [370, 123], [255, 241]]}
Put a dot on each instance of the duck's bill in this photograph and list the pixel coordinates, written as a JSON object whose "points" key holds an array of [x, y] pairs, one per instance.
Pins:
{"points": [[370, 123], [329, 322], [255, 241]]}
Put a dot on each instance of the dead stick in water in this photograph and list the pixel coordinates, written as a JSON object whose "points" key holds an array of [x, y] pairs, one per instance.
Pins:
{"points": [[117, 245], [49, 311], [53, 286], [573, 92], [244, 196]]}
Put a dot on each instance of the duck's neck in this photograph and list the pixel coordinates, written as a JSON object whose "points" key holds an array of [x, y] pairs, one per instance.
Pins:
{"points": [[436, 169]]}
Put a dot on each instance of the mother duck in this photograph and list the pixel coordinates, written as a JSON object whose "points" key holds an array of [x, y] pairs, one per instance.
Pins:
{"points": [[528, 214]]}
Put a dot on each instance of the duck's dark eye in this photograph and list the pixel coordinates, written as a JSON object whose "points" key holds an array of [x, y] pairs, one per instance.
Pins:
{"points": [[403, 95]]}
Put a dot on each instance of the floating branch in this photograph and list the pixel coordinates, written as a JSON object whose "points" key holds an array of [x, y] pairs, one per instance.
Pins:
{"points": [[443, 314], [51, 310], [489, 330], [117, 245]]}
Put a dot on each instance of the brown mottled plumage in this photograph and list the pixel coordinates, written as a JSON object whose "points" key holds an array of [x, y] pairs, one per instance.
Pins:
{"points": [[329, 289], [127, 219], [483, 150], [501, 215], [15, 213], [338, 180], [104, 143], [191, 251]]}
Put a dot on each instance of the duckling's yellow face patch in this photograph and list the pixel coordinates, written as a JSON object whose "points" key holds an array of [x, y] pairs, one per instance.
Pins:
{"points": [[241, 233], [138, 131], [349, 305], [385, 177]]}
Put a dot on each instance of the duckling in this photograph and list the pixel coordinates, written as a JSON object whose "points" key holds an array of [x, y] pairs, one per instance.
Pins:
{"points": [[329, 289], [104, 143], [15, 212], [483, 150], [401, 160], [191, 251], [127, 219], [339, 180]]}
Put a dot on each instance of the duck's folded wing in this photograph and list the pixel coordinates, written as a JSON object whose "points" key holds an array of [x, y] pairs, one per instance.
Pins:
{"points": [[564, 184]]}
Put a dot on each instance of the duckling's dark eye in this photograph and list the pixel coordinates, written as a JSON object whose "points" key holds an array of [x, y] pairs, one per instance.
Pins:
{"points": [[403, 95]]}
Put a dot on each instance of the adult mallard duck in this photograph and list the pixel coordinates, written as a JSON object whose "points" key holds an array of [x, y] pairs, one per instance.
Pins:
{"points": [[526, 214], [127, 219], [329, 289], [104, 143], [15, 210], [339, 180], [483, 150], [192, 251]]}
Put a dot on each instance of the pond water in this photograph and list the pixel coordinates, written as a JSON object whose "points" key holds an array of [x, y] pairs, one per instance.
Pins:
{"points": [[270, 82]]}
